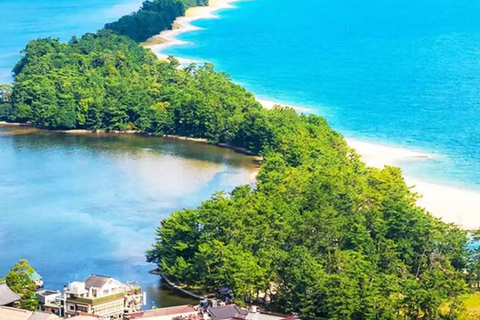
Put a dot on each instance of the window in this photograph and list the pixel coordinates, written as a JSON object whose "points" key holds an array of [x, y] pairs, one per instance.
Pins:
{"points": [[114, 290], [105, 291], [94, 293], [72, 307], [82, 309], [114, 308]]}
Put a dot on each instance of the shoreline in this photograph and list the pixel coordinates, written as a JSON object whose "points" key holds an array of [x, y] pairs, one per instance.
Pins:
{"points": [[168, 38], [451, 203], [443, 199], [241, 150], [174, 286]]}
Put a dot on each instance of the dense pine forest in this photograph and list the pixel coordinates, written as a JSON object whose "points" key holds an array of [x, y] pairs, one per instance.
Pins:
{"points": [[152, 18], [320, 234]]}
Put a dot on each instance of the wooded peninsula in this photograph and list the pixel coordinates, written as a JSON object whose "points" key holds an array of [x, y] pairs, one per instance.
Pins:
{"points": [[321, 234]]}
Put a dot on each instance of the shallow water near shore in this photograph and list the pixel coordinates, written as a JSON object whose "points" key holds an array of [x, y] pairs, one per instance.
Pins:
{"points": [[81, 204], [401, 73]]}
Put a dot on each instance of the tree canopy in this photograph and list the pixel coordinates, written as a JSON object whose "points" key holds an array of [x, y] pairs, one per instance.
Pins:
{"points": [[18, 280], [106, 81], [320, 234], [153, 17]]}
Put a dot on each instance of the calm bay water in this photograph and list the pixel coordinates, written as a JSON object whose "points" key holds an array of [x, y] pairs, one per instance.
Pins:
{"points": [[400, 72], [74, 205]]}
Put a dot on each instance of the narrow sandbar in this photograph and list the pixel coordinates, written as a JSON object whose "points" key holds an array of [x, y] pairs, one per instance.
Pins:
{"points": [[168, 38]]}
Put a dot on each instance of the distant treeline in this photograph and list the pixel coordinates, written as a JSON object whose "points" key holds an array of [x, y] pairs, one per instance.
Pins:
{"points": [[321, 234], [152, 18]]}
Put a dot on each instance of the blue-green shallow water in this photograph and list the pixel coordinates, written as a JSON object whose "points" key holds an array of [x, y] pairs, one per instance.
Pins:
{"points": [[25, 20], [401, 72], [74, 205]]}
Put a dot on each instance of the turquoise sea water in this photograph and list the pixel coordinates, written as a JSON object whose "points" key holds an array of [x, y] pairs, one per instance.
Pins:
{"points": [[25, 20], [399, 72]]}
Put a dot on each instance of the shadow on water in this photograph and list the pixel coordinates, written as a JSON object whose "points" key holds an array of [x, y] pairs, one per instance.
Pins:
{"points": [[130, 144], [162, 296]]}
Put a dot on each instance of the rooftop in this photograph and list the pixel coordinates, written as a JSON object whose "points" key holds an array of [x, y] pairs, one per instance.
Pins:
{"points": [[34, 276], [171, 311], [38, 315], [96, 281], [83, 317], [268, 316], [47, 293], [76, 287], [7, 296], [227, 312], [7, 313]]}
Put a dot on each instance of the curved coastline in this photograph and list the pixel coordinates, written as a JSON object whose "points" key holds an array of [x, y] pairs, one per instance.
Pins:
{"points": [[450, 203], [168, 38], [32, 129]]}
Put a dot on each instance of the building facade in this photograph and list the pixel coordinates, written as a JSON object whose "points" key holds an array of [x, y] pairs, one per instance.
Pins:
{"points": [[50, 301], [36, 278], [102, 296]]}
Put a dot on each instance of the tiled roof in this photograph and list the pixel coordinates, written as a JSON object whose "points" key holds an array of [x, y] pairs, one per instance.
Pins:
{"points": [[227, 312], [7, 313], [162, 312], [96, 281], [7, 296], [37, 315]]}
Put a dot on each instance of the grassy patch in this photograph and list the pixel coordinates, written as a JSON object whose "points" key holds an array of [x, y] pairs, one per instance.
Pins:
{"points": [[472, 307]]}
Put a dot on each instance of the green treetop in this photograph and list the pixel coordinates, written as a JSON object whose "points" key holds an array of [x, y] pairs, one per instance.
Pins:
{"points": [[18, 280]]}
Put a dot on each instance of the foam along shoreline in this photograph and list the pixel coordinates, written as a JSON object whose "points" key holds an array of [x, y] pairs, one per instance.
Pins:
{"points": [[183, 24], [451, 204]]}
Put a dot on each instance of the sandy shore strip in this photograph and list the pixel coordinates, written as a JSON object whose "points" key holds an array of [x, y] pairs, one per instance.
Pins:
{"points": [[183, 24], [268, 104], [451, 204], [378, 155], [14, 124]]}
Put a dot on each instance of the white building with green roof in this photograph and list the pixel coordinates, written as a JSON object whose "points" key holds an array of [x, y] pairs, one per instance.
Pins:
{"points": [[35, 277]]}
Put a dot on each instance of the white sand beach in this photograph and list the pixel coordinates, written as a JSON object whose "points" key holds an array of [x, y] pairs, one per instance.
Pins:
{"points": [[268, 104], [183, 24], [451, 204]]}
